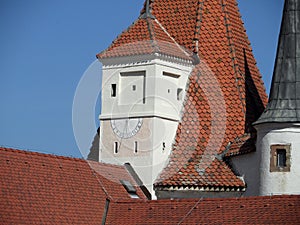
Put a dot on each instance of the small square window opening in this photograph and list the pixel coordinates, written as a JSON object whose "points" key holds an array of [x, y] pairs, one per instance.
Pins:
{"points": [[280, 158]]}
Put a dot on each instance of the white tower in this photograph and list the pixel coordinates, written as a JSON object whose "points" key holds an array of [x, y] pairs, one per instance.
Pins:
{"points": [[145, 73], [278, 128]]}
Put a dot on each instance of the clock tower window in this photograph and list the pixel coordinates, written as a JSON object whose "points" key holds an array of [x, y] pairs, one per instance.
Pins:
{"points": [[113, 90], [116, 147], [179, 94], [135, 147]]}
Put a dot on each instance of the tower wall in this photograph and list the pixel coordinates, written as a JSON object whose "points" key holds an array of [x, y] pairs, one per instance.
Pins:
{"points": [[149, 92]]}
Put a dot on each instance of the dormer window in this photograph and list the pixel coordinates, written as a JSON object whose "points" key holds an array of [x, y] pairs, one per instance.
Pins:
{"points": [[280, 158], [129, 188]]}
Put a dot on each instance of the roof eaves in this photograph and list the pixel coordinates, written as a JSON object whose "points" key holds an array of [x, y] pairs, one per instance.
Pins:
{"points": [[159, 187]]}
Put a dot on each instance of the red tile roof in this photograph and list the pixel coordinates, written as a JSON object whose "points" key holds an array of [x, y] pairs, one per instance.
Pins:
{"points": [[241, 145], [251, 210], [145, 36], [46, 189], [225, 94]]}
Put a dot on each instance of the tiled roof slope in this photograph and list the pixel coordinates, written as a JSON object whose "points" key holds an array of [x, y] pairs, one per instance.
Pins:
{"points": [[241, 145], [225, 93], [251, 210], [145, 36], [45, 189]]}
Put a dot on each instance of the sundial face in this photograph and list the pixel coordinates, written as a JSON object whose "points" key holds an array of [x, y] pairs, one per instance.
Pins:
{"points": [[126, 128]]}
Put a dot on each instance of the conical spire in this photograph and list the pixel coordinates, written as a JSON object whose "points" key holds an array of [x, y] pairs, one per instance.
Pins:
{"points": [[284, 101]]}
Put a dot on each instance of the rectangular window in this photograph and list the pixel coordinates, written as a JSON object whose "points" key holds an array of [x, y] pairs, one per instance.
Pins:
{"points": [[135, 147], [116, 148], [171, 75], [280, 158], [113, 90]]}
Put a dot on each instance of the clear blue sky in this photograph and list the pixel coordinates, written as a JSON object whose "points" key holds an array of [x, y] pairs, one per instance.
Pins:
{"points": [[47, 45]]}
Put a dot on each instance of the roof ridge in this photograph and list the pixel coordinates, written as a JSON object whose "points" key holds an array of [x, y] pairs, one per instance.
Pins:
{"points": [[28, 152], [198, 25], [118, 36], [175, 42], [218, 199], [147, 10], [233, 55]]}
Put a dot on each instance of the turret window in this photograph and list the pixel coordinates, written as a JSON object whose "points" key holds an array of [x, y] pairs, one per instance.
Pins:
{"points": [[280, 158], [113, 90]]}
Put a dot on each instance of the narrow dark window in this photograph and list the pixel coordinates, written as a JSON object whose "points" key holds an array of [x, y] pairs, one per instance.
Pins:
{"points": [[133, 87], [163, 146], [179, 94], [281, 158], [135, 147], [113, 90], [116, 146]]}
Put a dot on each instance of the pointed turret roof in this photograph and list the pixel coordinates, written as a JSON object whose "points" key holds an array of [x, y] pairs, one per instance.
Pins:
{"points": [[284, 101]]}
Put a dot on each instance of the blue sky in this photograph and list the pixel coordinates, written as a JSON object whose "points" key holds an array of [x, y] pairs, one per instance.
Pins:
{"points": [[47, 46]]}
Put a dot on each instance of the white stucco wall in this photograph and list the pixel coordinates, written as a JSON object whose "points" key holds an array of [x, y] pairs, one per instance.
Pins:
{"points": [[160, 90], [160, 112], [273, 183]]}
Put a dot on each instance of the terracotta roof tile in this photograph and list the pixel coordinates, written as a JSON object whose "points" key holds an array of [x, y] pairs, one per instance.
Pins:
{"points": [[251, 210], [145, 36], [241, 145], [46, 189], [228, 68]]}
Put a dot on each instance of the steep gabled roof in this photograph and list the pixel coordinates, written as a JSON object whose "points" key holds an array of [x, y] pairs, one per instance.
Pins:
{"points": [[225, 93], [251, 210], [46, 189], [284, 101]]}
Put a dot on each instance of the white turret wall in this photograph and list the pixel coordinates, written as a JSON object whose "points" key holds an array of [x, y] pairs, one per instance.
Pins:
{"points": [[279, 181]]}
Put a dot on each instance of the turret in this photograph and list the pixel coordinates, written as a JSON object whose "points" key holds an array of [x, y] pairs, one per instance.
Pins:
{"points": [[278, 128]]}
